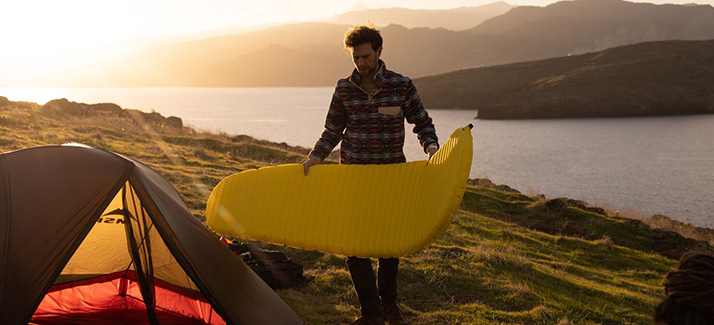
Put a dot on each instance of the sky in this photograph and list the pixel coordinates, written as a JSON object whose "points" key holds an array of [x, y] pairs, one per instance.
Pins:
{"points": [[38, 34]]}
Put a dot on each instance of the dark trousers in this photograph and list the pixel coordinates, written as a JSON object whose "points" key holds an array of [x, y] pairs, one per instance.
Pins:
{"points": [[367, 292]]}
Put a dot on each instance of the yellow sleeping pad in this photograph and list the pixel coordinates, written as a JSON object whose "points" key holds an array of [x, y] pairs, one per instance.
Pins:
{"points": [[355, 210]]}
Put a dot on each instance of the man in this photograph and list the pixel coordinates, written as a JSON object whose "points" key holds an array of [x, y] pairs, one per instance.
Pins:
{"points": [[367, 115]]}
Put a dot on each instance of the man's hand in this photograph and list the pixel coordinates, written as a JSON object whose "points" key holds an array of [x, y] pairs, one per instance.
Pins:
{"points": [[431, 150], [309, 163]]}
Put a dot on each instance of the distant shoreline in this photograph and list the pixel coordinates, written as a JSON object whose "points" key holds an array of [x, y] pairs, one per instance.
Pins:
{"points": [[668, 78]]}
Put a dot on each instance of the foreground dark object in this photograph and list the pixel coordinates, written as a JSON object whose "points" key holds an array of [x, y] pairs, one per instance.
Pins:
{"points": [[81, 220]]}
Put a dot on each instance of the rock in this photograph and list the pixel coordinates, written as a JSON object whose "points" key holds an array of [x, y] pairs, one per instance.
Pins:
{"points": [[61, 105], [64, 106], [679, 245], [506, 188], [174, 121], [107, 107], [155, 118], [486, 183], [481, 182], [4, 102], [635, 223], [684, 228], [557, 204], [658, 218], [582, 205], [597, 210]]}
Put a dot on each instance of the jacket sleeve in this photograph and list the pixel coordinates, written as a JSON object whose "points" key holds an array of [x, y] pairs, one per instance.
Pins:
{"points": [[335, 124], [416, 114]]}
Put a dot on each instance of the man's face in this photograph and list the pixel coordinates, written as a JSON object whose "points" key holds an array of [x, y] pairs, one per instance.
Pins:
{"points": [[366, 59]]}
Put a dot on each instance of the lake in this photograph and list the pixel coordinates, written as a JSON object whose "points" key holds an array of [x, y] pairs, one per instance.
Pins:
{"points": [[641, 166]]}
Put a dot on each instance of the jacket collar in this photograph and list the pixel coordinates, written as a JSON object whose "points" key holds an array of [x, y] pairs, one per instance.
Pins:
{"points": [[356, 78]]}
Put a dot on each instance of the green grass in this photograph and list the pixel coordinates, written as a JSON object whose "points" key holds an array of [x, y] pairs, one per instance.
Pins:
{"points": [[487, 271], [571, 221], [505, 259]]}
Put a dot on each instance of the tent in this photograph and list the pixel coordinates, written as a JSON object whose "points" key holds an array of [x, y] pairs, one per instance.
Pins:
{"points": [[89, 236]]}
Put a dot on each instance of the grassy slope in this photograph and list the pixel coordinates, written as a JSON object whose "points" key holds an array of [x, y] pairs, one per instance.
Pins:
{"points": [[193, 162], [489, 267], [484, 270]]}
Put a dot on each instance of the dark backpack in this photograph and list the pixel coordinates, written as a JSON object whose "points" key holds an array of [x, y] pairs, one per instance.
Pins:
{"points": [[272, 266]]}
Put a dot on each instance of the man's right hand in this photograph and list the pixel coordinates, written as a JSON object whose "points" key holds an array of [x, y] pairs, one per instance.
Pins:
{"points": [[309, 163]]}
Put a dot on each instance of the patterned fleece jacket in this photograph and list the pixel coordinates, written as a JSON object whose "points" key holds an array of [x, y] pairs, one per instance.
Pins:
{"points": [[371, 126]]}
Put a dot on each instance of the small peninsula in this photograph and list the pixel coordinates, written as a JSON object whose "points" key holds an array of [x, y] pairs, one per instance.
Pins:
{"points": [[647, 79]]}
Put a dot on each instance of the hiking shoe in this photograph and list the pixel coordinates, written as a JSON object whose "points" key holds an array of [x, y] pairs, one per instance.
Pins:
{"points": [[369, 320], [393, 316]]}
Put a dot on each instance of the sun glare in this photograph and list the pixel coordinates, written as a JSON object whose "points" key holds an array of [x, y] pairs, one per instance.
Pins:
{"points": [[61, 25], [45, 39]]}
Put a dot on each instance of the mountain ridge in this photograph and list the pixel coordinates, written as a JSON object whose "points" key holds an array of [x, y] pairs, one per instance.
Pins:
{"points": [[456, 19]]}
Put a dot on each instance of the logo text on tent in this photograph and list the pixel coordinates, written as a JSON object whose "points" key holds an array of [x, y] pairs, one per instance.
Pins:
{"points": [[105, 219], [111, 220]]}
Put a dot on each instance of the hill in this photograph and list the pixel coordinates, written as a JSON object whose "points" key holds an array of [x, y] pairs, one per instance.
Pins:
{"points": [[234, 60], [507, 258], [453, 19], [648, 79], [599, 24], [288, 55]]}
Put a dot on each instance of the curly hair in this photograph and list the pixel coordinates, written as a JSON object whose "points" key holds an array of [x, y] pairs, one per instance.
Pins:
{"points": [[690, 292], [359, 35]]}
